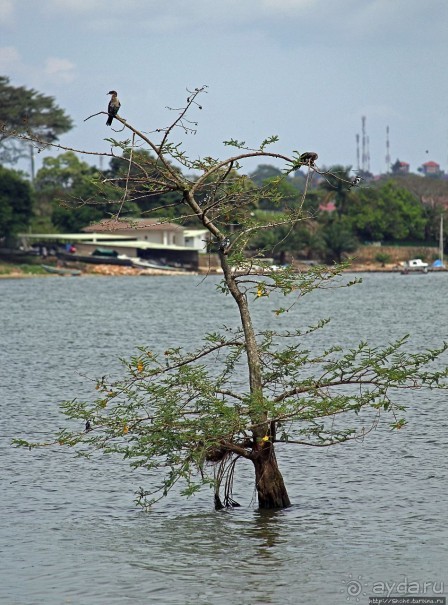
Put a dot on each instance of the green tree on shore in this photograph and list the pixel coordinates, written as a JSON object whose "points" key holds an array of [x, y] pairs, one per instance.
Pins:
{"points": [[388, 213], [70, 194], [16, 203], [188, 414], [338, 240], [33, 115], [431, 194]]}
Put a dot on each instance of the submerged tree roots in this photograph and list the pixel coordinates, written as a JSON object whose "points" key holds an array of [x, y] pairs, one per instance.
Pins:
{"points": [[225, 472]]}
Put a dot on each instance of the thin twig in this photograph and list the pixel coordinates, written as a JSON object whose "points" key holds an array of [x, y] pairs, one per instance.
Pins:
{"points": [[125, 194]]}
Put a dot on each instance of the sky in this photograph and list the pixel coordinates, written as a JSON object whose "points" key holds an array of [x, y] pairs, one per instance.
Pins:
{"points": [[304, 70]]}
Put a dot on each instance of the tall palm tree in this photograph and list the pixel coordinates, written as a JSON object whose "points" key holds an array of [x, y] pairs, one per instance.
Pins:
{"points": [[338, 240], [337, 182]]}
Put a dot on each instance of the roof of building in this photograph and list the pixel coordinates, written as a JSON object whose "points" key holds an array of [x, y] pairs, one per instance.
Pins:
{"points": [[431, 164], [328, 207], [149, 224], [71, 237]]}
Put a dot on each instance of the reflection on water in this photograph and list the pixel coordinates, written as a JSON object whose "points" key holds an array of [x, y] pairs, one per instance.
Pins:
{"points": [[70, 532]]}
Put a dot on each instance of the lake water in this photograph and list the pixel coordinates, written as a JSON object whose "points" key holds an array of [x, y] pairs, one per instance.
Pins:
{"points": [[363, 514]]}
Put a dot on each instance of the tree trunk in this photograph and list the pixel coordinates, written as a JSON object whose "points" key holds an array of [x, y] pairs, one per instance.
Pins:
{"points": [[268, 478], [269, 482]]}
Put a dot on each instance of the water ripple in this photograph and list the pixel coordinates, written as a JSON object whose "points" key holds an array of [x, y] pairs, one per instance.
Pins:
{"points": [[70, 532]]}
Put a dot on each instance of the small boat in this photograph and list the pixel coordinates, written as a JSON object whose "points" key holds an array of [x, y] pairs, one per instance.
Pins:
{"points": [[414, 266], [61, 270], [140, 263], [438, 265], [100, 256], [104, 256]]}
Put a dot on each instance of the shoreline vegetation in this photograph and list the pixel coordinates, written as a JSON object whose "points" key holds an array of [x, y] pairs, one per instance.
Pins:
{"points": [[10, 270]]}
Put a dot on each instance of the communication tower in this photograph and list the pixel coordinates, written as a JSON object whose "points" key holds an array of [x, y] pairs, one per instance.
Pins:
{"points": [[387, 151], [364, 144], [357, 152]]}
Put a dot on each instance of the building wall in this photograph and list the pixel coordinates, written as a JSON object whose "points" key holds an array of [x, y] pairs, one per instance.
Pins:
{"points": [[167, 235], [197, 242]]}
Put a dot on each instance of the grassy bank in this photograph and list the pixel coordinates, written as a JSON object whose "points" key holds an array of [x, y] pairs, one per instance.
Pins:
{"points": [[20, 270]]}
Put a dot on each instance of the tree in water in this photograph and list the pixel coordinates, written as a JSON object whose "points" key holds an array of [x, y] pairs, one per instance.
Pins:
{"points": [[188, 414]]}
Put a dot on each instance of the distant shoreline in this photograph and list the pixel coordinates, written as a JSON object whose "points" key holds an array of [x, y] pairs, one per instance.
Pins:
{"points": [[9, 271]]}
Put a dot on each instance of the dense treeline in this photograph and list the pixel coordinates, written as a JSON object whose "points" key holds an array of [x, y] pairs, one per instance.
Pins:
{"points": [[68, 194]]}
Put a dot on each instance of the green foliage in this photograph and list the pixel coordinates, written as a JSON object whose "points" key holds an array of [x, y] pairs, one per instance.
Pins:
{"points": [[264, 172], [300, 238], [71, 194], [338, 239], [279, 194], [382, 257], [27, 112], [16, 203], [389, 213], [139, 170], [337, 185], [431, 194], [8, 268]]}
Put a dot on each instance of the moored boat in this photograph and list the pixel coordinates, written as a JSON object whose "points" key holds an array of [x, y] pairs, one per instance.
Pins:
{"points": [[98, 257], [61, 270], [415, 265], [139, 263]]}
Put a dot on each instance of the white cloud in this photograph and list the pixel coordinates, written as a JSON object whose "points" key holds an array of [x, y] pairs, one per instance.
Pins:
{"points": [[59, 70], [54, 71]]}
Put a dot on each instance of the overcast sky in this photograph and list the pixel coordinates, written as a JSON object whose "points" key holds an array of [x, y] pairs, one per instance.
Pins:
{"points": [[305, 70]]}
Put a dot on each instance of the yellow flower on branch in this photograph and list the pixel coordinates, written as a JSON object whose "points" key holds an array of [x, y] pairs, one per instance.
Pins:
{"points": [[125, 429], [140, 366]]}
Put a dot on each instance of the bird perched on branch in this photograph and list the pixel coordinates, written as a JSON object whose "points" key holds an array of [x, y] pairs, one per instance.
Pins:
{"points": [[224, 244], [308, 158], [355, 181], [113, 107]]}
